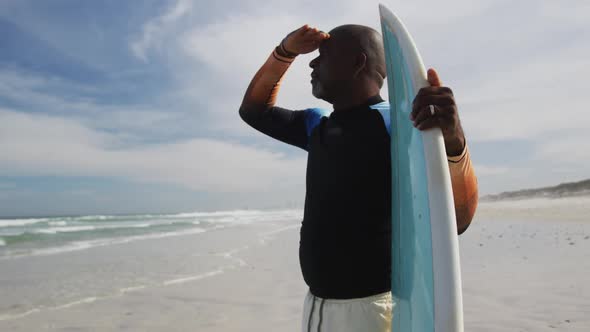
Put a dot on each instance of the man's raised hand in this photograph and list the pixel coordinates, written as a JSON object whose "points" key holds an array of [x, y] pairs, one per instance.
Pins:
{"points": [[303, 40]]}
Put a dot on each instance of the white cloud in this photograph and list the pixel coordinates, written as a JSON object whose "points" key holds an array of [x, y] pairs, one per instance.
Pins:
{"points": [[533, 99], [238, 44], [44, 145], [566, 151], [53, 95], [154, 30], [26, 86]]}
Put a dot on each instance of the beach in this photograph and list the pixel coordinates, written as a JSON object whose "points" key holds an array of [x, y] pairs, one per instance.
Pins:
{"points": [[524, 268]]}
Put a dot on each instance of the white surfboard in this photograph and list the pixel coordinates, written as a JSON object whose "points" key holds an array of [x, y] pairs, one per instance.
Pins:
{"points": [[426, 276]]}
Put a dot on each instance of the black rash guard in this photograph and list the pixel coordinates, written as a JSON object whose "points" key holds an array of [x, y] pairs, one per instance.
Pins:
{"points": [[345, 246]]}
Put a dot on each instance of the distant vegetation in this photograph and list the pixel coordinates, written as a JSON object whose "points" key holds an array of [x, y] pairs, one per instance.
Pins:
{"points": [[563, 190]]}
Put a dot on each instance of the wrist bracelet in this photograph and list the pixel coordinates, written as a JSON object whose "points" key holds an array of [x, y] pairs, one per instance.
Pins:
{"points": [[284, 51]]}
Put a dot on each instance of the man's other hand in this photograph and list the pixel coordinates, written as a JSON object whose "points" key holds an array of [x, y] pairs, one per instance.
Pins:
{"points": [[434, 106]]}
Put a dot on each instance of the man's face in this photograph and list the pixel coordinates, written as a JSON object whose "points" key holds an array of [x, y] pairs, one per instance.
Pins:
{"points": [[332, 70]]}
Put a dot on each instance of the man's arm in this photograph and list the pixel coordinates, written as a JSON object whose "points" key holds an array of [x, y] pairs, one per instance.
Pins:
{"points": [[465, 192], [445, 115], [258, 106]]}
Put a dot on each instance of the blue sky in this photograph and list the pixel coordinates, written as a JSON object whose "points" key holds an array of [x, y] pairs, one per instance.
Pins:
{"points": [[122, 107]]}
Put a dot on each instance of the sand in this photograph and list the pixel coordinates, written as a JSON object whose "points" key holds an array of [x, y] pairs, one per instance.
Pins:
{"points": [[525, 267]]}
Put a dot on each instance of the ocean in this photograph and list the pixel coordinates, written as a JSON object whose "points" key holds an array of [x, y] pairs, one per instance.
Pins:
{"points": [[52, 235]]}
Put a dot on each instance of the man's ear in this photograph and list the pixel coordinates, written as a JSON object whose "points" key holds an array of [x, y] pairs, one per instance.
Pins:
{"points": [[360, 63]]}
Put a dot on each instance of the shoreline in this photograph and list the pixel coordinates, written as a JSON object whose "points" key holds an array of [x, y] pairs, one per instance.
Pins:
{"points": [[523, 269], [249, 255]]}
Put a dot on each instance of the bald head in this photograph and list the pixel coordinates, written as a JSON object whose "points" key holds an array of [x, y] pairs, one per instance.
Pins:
{"points": [[359, 39], [350, 66]]}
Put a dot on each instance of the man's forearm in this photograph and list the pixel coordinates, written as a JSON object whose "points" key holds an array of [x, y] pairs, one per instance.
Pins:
{"points": [[455, 144], [264, 87], [465, 191]]}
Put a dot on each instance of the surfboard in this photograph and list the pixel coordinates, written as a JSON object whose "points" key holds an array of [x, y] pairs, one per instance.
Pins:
{"points": [[426, 276]]}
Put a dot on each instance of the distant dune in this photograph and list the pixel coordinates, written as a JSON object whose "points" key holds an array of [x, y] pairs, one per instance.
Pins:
{"points": [[581, 188]]}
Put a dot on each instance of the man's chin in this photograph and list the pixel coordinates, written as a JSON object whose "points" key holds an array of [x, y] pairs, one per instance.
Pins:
{"points": [[317, 91]]}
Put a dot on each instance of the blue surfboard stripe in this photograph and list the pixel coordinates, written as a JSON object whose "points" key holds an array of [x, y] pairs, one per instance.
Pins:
{"points": [[412, 273]]}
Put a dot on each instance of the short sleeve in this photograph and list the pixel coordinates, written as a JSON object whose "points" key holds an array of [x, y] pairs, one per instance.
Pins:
{"points": [[288, 126]]}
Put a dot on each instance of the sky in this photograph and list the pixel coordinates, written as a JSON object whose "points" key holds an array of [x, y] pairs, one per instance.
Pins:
{"points": [[132, 106]]}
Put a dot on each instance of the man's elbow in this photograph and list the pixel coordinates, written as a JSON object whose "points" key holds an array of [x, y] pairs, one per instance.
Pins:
{"points": [[243, 113], [465, 214], [250, 113]]}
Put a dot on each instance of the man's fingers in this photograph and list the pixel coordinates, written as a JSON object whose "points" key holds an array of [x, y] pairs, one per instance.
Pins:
{"points": [[428, 123], [440, 102], [444, 100], [307, 32], [425, 113], [311, 30], [304, 40], [435, 90], [421, 115], [301, 31], [433, 78], [314, 34]]}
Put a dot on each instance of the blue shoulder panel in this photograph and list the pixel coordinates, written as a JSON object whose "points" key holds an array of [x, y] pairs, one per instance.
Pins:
{"points": [[313, 116], [383, 108]]}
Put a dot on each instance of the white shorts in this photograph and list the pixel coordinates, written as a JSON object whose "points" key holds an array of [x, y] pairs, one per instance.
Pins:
{"points": [[365, 314]]}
